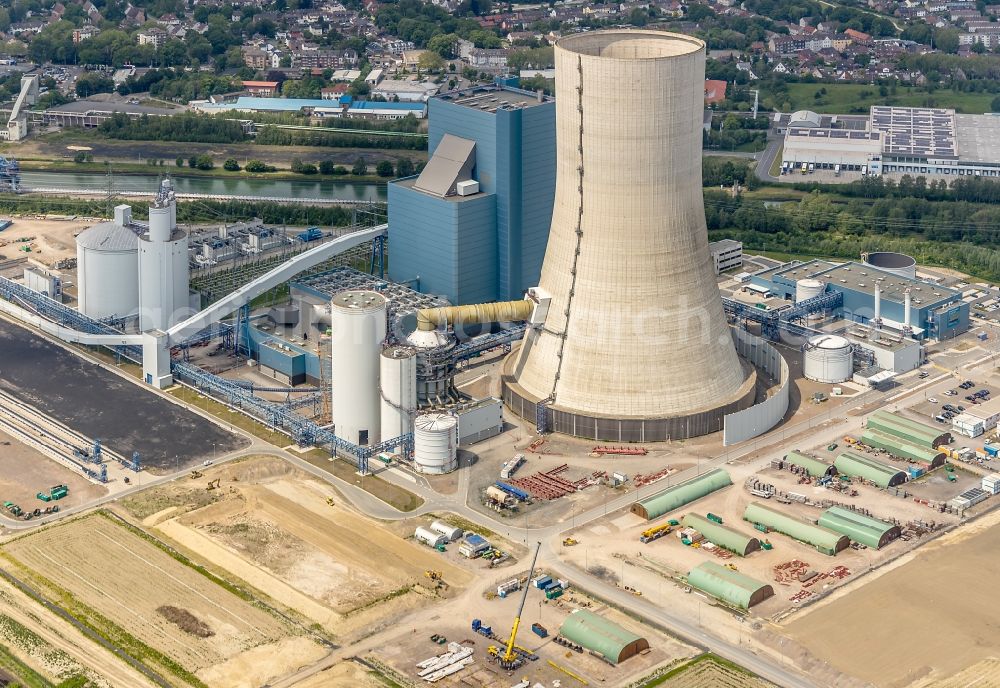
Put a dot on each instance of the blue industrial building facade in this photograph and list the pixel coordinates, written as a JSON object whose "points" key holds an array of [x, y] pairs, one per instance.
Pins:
{"points": [[488, 246], [936, 311]]}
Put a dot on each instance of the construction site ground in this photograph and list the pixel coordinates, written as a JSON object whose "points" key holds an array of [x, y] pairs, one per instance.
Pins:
{"points": [[271, 525], [186, 624], [51, 240], [100, 404], [942, 591], [402, 652], [708, 671], [24, 472]]}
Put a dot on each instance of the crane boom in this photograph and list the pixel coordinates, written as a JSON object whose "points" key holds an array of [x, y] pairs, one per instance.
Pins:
{"points": [[509, 654]]}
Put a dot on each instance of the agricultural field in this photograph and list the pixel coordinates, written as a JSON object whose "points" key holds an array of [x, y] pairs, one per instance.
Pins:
{"points": [[275, 528], [707, 670], [189, 627]]}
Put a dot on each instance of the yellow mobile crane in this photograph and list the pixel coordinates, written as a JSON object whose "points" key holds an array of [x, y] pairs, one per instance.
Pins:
{"points": [[509, 660]]}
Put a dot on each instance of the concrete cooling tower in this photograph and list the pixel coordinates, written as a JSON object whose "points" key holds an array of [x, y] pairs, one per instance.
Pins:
{"points": [[635, 345]]}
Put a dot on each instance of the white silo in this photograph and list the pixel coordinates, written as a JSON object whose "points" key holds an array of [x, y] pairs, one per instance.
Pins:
{"points": [[635, 345], [107, 267], [358, 324], [808, 288], [398, 384], [435, 443], [164, 270], [828, 358]]}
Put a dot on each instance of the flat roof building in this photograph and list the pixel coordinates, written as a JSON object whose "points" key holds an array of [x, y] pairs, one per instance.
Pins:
{"points": [[856, 464], [485, 244], [824, 540], [866, 530], [978, 419], [732, 587]]}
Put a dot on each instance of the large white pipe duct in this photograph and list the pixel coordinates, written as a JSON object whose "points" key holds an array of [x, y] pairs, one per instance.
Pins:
{"points": [[635, 332]]}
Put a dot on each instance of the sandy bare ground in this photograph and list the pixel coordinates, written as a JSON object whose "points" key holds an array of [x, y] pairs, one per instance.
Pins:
{"points": [[942, 592], [342, 675], [109, 569], [54, 240], [24, 472], [284, 539]]}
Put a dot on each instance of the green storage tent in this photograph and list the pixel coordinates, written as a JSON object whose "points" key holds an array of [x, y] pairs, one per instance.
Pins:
{"points": [[815, 467], [860, 528], [911, 431], [854, 463], [681, 494], [825, 541], [732, 587], [599, 635], [730, 539], [931, 458]]}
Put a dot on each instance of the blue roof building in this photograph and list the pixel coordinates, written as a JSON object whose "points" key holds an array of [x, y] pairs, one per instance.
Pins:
{"points": [[487, 244]]}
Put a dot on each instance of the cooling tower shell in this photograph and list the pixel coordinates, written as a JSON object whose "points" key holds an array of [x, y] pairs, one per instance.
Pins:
{"points": [[896, 263], [358, 328], [636, 343]]}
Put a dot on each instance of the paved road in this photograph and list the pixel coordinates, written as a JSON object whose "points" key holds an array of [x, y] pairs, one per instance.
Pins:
{"points": [[766, 159]]}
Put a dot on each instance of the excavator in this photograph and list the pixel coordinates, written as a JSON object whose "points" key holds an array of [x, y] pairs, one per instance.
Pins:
{"points": [[214, 484], [510, 660]]}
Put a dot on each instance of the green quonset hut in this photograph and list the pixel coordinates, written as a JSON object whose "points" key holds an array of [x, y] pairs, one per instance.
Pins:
{"points": [[732, 587], [681, 494], [858, 527], [853, 463], [825, 541], [910, 431], [932, 458], [730, 539], [813, 466], [597, 634]]}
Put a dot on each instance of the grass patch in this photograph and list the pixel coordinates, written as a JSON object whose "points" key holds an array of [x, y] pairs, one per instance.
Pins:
{"points": [[858, 98], [224, 413], [687, 666], [391, 494], [23, 674]]}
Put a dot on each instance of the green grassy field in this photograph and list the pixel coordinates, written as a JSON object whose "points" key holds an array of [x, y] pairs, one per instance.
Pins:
{"points": [[857, 98]]}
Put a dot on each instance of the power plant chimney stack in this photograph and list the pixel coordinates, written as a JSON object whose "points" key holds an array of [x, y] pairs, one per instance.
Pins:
{"points": [[635, 345], [907, 302], [877, 321]]}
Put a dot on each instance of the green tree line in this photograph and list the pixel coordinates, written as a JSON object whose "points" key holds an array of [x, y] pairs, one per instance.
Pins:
{"points": [[291, 137], [187, 127]]}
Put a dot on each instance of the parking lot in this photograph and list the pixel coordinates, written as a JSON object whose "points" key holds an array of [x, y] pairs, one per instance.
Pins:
{"points": [[964, 396]]}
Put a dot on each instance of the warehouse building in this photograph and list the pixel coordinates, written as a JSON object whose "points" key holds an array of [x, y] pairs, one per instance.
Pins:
{"points": [[814, 467], [882, 474], [825, 541], [977, 419], [910, 431], [865, 530], [319, 107], [597, 634], [931, 458], [732, 587], [935, 311], [727, 538], [897, 141], [681, 494]]}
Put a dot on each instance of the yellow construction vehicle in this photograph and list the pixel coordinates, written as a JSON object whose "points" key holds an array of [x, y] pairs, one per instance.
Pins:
{"points": [[213, 484], [196, 474], [510, 660], [732, 567], [569, 542], [654, 533], [329, 500], [433, 575]]}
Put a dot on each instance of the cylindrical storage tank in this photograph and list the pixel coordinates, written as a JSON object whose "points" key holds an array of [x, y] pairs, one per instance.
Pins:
{"points": [[896, 263], [808, 289], [435, 443], [358, 324], [164, 280], [398, 385], [107, 271], [828, 358]]}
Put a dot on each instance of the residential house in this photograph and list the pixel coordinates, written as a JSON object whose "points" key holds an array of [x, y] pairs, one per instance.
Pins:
{"points": [[84, 33], [715, 91], [262, 89], [155, 37]]}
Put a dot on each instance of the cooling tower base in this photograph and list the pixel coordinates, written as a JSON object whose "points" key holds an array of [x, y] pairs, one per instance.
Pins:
{"points": [[610, 429]]}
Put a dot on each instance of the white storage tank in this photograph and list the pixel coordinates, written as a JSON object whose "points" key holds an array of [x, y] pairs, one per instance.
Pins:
{"points": [[398, 390], [164, 268], [435, 443], [890, 261], [450, 532], [429, 537], [808, 289], [108, 267], [828, 358], [358, 324]]}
